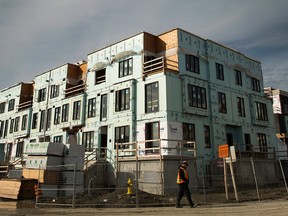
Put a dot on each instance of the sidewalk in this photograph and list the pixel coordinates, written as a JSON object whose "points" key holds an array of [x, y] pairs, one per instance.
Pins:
{"points": [[275, 208]]}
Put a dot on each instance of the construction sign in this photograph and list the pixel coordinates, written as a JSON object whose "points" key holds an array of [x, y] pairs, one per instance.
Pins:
{"points": [[223, 151]]}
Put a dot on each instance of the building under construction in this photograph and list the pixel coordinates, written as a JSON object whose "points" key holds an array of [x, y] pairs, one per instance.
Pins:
{"points": [[143, 104]]}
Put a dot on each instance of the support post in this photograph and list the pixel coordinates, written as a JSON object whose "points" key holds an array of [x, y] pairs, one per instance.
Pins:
{"points": [[233, 179], [225, 178]]}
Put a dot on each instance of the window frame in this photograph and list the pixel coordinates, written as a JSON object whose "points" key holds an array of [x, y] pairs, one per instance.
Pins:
{"points": [[34, 121], [104, 108], [222, 103], [119, 131], [100, 76], [207, 136], [76, 110], [125, 71], [241, 106], [88, 140], [24, 122], [262, 142], [91, 112], [65, 113], [197, 97], [192, 63], [122, 100], [11, 105], [16, 124], [41, 95], [255, 85], [238, 77], [261, 111], [219, 71], [54, 91], [57, 115], [2, 107], [188, 130], [152, 97]]}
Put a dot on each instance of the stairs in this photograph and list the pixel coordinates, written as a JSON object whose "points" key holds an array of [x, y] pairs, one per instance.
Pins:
{"points": [[4, 169]]}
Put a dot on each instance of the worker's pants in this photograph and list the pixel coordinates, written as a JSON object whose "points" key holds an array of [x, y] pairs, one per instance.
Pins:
{"points": [[184, 190]]}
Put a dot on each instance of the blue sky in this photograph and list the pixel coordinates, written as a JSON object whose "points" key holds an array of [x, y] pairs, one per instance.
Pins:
{"points": [[39, 35]]}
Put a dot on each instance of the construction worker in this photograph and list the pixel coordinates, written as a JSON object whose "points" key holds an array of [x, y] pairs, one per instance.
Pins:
{"points": [[183, 181]]}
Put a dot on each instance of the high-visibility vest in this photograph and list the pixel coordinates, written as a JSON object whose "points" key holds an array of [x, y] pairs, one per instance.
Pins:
{"points": [[179, 180]]}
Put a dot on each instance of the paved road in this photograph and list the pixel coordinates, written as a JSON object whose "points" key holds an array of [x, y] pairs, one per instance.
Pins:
{"points": [[275, 208]]}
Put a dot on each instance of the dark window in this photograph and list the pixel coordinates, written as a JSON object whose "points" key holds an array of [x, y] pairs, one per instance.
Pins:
{"points": [[41, 94], [100, 76], [241, 106], [57, 115], [6, 128], [34, 120], [188, 132], [48, 123], [262, 142], [16, 124], [152, 97], [2, 107], [192, 64], [65, 113], [219, 71], [54, 91], [238, 77], [222, 102], [122, 100], [125, 67], [103, 114], [261, 111], [121, 135], [11, 104], [58, 139], [255, 84], [152, 137], [11, 126], [76, 110], [1, 128], [248, 145], [42, 120], [197, 97], [91, 107], [24, 122], [88, 140], [19, 149], [207, 136]]}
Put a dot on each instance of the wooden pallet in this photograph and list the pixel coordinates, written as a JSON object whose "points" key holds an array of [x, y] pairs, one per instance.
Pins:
{"points": [[17, 188]]}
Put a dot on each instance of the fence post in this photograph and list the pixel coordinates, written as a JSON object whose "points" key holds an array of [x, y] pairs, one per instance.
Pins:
{"points": [[74, 185], [281, 167], [38, 185], [137, 176], [203, 182], [255, 177]]}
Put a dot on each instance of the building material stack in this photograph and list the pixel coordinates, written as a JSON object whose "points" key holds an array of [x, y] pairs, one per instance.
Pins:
{"points": [[72, 175], [44, 162]]}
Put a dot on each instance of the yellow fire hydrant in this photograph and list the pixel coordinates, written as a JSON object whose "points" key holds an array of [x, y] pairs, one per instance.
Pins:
{"points": [[129, 187]]}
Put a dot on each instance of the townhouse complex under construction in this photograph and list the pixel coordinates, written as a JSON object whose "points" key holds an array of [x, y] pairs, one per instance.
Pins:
{"points": [[154, 99]]}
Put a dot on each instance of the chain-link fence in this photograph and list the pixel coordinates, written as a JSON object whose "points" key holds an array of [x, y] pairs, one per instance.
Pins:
{"points": [[139, 184]]}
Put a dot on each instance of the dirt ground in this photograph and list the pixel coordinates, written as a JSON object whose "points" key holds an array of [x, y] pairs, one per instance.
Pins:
{"points": [[256, 208], [273, 201]]}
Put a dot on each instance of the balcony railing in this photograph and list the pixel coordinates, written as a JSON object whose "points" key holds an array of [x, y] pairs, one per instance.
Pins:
{"points": [[160, 64], [25, 105], [78, 89]]}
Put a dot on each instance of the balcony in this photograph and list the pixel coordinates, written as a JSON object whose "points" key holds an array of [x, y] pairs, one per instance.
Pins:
{"points": [[25, 105], [159, 65], [75, 90]]}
